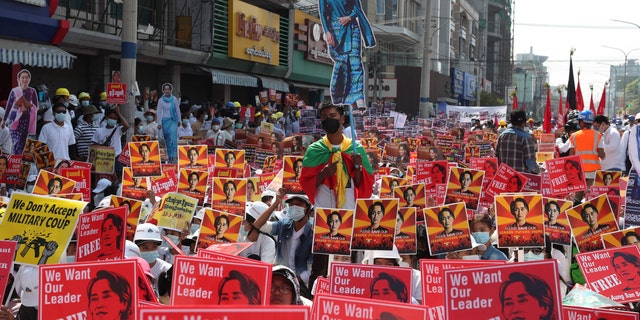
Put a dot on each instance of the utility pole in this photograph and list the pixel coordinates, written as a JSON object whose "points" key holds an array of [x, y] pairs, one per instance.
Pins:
{"points": [[425, 79], [129, 49]]}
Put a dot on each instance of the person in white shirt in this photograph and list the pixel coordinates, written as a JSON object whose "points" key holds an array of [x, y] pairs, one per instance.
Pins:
{"points": [[111, 134], [218, 136], [151, 129], [58, 135], [184, 130], [614, 161]]}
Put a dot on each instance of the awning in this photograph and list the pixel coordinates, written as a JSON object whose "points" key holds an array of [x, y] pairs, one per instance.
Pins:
{"points": [[33, 54], [232, 78], [274, 83], [309, 86]]}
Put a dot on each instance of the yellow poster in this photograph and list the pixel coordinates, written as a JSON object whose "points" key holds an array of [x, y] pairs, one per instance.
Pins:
{"points": [[41, 225], [101, 158], [176, 211]]}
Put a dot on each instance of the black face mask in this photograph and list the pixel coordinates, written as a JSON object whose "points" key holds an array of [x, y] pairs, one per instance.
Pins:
{"points": [[330, 125]]}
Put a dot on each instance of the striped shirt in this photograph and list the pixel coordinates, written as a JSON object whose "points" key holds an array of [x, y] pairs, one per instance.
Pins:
{"points": [[84, 133]]}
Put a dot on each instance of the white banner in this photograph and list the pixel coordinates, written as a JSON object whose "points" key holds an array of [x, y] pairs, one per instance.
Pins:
{"points": [[467, 114]]}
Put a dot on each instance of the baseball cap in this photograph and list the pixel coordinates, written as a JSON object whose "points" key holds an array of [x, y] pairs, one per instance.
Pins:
{"points": [[102, 184], [28, 277], [299, 197], [131, 250]]}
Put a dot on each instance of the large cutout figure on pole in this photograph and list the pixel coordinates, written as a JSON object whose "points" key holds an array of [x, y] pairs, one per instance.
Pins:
{"points": [[346, 26]]}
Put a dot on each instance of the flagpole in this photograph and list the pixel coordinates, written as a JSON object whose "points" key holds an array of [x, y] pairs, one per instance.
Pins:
{"points": [[353, 130]]}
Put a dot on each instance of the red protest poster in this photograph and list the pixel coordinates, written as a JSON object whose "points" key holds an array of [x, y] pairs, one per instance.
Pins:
{"points": [[431, 173], [101, 234], [412, 196], [166, 183], [389, 183], [133, 187], [212, 253], [607, 178], [229, 158], [488, 165], [351, 308], [145, 158], [520, 220], [332, 231], [292, 171], [193, 183], [629, 236], [134, 208], [447, 228], [89, 290], [322, 285], [216, 312], [12, 174], [556, 223], [578, 313], [405, 231], [254, 189], [524, 290], [233, 249], [201, 281], [432, 271], [371, 281], [590, 220], [506, 180], [7, 251], [374, 224], [116, 93], [533, 184], [566, 175], [218, 226], [125, 156], [193, 157], [613, 273], [82, 177], [464, 186], [49, 183], [229, 195]]}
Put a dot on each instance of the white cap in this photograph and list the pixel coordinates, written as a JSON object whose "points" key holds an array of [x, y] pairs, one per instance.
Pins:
{"points": [[131, 250], [255, 210], [73, 100], [32, 178], [102, 184], [370, 255], [200, 214], [147, 232], [637, 115], [28, 277], [268, 193], [105, 202]]}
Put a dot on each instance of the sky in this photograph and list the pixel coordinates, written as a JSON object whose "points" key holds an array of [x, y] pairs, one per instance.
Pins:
{"points": [[552, 27]]}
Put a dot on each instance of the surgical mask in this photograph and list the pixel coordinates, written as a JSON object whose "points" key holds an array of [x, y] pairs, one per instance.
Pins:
{"points": [[206, 117], [85, 103], [103, 103], [60, 117], [480, 237], [173, 238], [140, 128], [243, 234], [112, 122], [215, 127], [296, 213], [185, 121], [149, 118], [186, 250], [194, 228], [149, 256], [71, 259], [330, 125], [66, 104], [471, 257], [530, 256]]}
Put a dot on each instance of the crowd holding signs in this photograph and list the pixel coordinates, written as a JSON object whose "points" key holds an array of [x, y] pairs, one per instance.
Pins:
{"points": [[435, 237]]}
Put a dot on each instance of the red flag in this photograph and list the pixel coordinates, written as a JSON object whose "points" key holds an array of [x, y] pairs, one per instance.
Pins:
{"points": [[560, 113], [592, 108], [515, 102], [579, 98], [547, 113], [603, 101]]}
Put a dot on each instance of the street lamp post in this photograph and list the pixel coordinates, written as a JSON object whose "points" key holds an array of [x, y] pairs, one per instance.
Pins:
{"points": [[624, 76]]}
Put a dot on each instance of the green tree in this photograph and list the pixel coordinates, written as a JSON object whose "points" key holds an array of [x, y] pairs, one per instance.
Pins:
{"points": [[490, 99]]}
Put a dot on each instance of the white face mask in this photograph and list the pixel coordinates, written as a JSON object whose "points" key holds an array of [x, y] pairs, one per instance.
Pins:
{"points": [[215, 127], [530, 256], [471, 257], [173, 239], [296, 213]]}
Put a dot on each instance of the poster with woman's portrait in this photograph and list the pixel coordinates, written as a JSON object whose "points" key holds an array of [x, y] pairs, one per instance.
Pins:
{"points": [[626, 237], [218, 227], [374, 225], [447, 228], [30, 149], [405, 231], [556, 223], [134, 207], [589, 221], [506, 180], [134, 187], [102, 234], [520, 220], [145, 159], [229, 195], [93, 289], [224, 282], [465, 186], [44, 160], [269, 163], [292, 172], [388, 183], [523, 290], [22, 111], [607, 178], [193, 157], [49, 183], [193, 183], [566, 175], [488, 165], [332, 231], [293, 145], [376, 282], [412, 196], [230, 159]]}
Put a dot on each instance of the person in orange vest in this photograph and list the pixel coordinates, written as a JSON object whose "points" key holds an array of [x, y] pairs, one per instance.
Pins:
{"points": [[589, 145]]}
